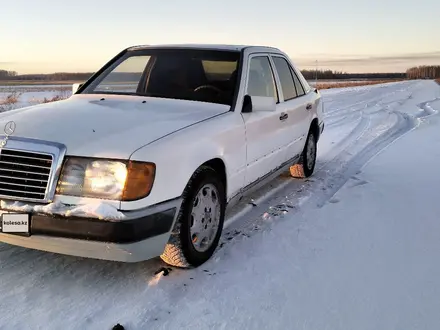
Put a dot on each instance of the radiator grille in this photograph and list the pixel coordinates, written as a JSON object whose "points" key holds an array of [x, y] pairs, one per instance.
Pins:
{"points": [[24, 174]]}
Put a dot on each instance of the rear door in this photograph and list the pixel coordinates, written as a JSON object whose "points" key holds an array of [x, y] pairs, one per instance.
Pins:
{"points": [[296, 103]]}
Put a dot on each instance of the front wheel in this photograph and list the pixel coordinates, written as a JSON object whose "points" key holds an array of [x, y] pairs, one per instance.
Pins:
{"points": [[200, 222], [306, 164]]}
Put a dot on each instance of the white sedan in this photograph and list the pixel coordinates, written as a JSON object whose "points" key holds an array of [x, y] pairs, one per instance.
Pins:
{"points": [[144, 158]]}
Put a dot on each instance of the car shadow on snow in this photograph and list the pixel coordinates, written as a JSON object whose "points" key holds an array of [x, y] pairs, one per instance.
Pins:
{"points": [[14, 256]]}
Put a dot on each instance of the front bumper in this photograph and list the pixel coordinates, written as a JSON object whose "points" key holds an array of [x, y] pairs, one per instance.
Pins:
{"points": [[142, 236]]}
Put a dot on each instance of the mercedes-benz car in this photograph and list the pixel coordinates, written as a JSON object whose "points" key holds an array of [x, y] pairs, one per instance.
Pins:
{"points": [[145, 157]]}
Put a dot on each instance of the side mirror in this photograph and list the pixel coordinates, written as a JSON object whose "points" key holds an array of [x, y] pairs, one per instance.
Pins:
{"points": [[258, 103], [75, 87]]}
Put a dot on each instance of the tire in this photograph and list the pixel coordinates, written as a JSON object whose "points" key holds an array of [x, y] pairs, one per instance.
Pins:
{"points": [[185, 247], [307, 161]]}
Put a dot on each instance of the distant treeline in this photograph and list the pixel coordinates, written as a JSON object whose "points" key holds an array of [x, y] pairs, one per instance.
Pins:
{"points": [[59, 76], [330, 75], [4, 75], [424, 72]]}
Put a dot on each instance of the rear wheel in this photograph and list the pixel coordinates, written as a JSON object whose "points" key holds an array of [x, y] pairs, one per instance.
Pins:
{"points": [[306, 164], [200, 221]]}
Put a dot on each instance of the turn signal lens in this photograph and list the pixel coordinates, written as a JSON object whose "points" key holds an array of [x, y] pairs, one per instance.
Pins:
{"points": [[140, 179]]}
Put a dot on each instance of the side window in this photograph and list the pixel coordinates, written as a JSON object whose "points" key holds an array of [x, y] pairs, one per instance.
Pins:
{"points": [[286, 79], [261, 81], [303, 80], [299, 88]]}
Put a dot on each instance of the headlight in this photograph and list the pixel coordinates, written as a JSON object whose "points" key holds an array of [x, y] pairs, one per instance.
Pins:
{"points": [[106, 179]]}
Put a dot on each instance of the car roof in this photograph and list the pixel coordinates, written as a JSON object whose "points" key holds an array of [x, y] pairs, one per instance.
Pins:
{"points": [[206, 46]]}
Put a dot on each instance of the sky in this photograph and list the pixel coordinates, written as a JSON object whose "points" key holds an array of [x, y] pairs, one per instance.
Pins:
{"points": [[346, 35]]}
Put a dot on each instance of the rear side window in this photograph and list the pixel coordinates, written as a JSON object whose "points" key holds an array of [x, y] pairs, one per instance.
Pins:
{"points": [[303, 80], [286, 79], [299, 88]]}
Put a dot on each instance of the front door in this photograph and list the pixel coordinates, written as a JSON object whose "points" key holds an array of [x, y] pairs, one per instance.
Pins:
{"points": [[264, 130]]}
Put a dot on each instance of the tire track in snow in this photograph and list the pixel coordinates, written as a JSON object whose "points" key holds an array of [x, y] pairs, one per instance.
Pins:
{"points": [[426, 109], [373, 145]]}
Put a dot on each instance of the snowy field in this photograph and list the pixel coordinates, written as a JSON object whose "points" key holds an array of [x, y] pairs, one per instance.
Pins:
{"points": [[354, 247], [31, 95]]}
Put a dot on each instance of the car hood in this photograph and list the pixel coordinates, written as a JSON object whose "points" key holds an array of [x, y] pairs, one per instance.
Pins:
{"points": [[110, 126]]}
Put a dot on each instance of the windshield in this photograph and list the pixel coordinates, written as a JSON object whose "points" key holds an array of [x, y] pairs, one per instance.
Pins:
{"points": [[189, 74]]}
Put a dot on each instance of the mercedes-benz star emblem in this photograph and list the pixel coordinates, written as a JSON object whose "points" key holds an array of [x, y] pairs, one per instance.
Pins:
{"points": [[10, 128]]}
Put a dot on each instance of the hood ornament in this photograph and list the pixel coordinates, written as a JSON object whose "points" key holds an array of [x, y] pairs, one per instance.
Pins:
{"points": [[9, 130]]}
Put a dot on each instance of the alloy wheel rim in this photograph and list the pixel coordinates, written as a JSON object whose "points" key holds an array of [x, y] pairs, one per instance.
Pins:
{"points": [[205, 217]]}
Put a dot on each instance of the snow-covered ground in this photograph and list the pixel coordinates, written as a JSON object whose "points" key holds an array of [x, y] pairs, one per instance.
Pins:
{"points": [[30, 95], [353, 247]]}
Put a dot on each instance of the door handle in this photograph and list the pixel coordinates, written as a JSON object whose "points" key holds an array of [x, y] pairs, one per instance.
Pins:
{"points": [[309, 106], [284, 116]]}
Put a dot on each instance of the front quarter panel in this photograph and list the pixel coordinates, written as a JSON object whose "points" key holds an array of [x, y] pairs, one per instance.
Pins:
{"points": [[178, 155]]}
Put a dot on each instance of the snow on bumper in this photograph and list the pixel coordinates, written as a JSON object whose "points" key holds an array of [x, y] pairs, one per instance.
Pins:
{"points": [[141, 234], [100, 210]]}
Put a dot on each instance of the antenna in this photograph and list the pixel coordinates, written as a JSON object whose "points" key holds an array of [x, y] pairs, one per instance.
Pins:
{"points": [[316, 73]]}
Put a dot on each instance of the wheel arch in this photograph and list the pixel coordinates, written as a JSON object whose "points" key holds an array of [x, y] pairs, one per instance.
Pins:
{"points": [[219, 166]]}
